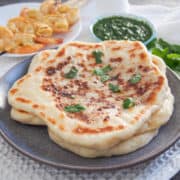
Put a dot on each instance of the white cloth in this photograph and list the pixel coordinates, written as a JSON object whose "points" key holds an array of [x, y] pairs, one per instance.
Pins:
{"points": [[14, 166]]}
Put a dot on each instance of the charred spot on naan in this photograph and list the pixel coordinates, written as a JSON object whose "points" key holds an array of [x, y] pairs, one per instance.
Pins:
{"points": [[157, 87], [143, 56], [117, 59], [51, 120], [38, 106], [86, 130], [23, 100], [81, 117], [89, 56], [61, 52], [13, 91], [50, 71], [145, 69], [63, 63], [116, 48], [45, 55], [78, 54], [138, 45], [61, 116], [20, 81], [138, 116], [35, 106], [22, 111], [131, 70], [42, 114], [61, 127], [38, 69], [85, 46], [51, 61]]}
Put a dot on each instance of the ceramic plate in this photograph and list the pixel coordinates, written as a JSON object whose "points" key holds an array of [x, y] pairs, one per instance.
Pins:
{"points": [[14, 10], [34, 141]]}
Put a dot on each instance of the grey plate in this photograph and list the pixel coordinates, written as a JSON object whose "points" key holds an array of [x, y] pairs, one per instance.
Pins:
{"points": [[34, 141]]}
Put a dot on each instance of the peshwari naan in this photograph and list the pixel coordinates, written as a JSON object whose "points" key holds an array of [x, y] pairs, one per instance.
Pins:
{"points": [[103, 122]]}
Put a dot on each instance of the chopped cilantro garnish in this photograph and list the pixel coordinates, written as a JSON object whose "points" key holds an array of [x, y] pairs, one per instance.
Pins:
{"points": [[114, 88], [98, 72], [97, 55], [135, 78], [105, 77], [128, 103], [102, 72], [74, 108], [72, 73], [106, 69]]}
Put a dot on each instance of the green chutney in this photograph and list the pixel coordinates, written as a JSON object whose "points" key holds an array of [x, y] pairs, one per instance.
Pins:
{"points": [[122, 28]]}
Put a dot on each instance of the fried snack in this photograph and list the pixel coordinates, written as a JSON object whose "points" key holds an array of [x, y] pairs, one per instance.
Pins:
{"points": [[20, 25], [63, 8], [23, 43], [72, 16], [48, 7], [31, 14], [42, 30], [48, 41], [27, 48], [37, 26], [5, 37], [58, 23]]}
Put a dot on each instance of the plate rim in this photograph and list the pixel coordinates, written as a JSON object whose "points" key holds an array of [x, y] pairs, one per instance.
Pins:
{"points": [[38, 159]]}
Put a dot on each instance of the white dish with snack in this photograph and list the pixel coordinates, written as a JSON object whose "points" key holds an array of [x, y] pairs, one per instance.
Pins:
{"points": [[14, 11]]}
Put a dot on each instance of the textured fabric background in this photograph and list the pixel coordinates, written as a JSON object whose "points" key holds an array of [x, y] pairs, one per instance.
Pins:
{"points": [[15, 166]]}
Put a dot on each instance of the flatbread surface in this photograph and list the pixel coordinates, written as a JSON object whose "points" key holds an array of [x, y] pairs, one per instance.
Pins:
{"points": [[45, 91]]}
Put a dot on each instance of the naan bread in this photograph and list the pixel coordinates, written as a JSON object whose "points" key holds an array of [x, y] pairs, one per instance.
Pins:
{"points": [[142, 137], [25, 117], [104, 123], [124, 147], [157, 119]]}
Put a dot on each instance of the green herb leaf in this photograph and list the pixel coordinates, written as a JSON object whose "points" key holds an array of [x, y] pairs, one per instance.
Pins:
{"points": [[174, 57], [74, 108], [173, 61], [97, 55], [106, 69], [98, 72], [72, 73], [105, 78], [114, 88], [160, 52], [135, 79], [103, 73], [170, 53], [152, 44], [173, 48], [128, 103]]}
